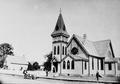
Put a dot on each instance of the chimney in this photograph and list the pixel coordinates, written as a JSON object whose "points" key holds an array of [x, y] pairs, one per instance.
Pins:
{"points": [[84, 38]]}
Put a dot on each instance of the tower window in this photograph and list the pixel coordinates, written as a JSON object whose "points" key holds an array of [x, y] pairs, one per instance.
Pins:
{"points": [[58, 50], [55, 50], [85, 65], [64, 28], [63, 50], [93, 63], [68, 64], [64, 63], [110, 66], [56, 28], [102, 64], [72, 65]]}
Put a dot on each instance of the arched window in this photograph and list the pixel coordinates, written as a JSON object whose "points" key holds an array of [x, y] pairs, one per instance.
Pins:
{"points": [[72, 65], [58, 50], [93, 63], [68, 64], [64, 63], [63, 50], [64, 27], [54, 50]]}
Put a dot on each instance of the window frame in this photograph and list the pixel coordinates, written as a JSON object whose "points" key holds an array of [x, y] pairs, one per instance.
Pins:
{"points": [[92, 63], [63, 50], [68, 64], [58, 50], [54, 50], [72, 64], [64, 65]]}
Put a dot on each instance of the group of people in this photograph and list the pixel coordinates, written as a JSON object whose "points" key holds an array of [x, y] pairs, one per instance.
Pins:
{"points": [[97, 74], [28, 76]]}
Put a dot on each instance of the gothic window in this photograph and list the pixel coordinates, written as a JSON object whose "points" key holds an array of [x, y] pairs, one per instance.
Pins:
{"points": [[63, 50], [64, 27], [64, 63], [58, 50], [68, 64], [93, 63], [54, 50], [110, 66], [102, 64], [72, 65], [85, 65], [56, 28]]}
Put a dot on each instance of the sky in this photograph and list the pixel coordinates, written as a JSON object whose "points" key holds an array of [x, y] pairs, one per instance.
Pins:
{"points": [[27, 24]]}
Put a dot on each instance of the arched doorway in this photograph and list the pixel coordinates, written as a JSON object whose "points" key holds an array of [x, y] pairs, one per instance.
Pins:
{"points": [[55, 67]]}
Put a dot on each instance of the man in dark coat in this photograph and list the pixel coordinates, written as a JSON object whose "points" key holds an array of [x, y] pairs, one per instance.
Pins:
{"points": [[98, 75]]}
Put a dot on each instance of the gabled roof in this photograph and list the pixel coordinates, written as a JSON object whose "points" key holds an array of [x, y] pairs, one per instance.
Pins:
{"points": [[97, 48], [117, 59], [88, 45], [107, 60], [60, 28], [102, 46]]}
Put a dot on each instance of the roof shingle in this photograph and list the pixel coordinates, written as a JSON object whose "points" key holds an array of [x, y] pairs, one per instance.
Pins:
{"points": [[94, 48]]}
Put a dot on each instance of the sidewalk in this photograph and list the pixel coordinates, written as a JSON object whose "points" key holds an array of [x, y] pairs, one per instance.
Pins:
{"points": [[82, 79], [67, 78]]}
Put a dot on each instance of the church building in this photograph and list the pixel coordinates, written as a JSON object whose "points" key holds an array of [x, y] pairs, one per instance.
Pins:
{"points": [[78, 55]]}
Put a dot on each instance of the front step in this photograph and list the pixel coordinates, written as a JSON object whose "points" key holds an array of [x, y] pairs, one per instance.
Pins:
{"points": [[53, 74]]}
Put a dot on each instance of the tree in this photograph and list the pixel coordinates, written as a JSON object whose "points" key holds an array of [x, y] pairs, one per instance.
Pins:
{"points": [[47, 64], [36, 66], [30, 67], [5, 49]]}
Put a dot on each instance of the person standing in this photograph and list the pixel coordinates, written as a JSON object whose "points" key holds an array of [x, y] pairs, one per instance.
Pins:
{"points": [[46, 72], [97, 76], [25, 73]]}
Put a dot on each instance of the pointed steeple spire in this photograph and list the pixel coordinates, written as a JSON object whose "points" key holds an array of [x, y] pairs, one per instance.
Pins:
{"points": [[60, 28]]}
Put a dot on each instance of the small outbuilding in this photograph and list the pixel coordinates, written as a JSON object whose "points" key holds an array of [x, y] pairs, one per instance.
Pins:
{"points": [[16, 63]]}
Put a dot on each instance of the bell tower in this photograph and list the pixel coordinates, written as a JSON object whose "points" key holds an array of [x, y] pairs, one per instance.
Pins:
{"points": [[60, 37]]}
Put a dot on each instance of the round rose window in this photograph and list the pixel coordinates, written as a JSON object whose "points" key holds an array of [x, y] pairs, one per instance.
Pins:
{"points": [[74, 50]]}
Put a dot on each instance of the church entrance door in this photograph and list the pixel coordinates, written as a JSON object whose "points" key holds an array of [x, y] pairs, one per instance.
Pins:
{"points": [[55, 68]]}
